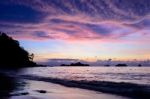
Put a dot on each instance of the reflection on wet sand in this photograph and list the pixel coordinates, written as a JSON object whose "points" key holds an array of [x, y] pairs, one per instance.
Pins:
{"points": [[7, 86], [15, 88], [46, 90]]}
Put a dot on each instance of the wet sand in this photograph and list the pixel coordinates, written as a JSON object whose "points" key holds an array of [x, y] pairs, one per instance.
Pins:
{"points": [[133, 91], [46, 90]]}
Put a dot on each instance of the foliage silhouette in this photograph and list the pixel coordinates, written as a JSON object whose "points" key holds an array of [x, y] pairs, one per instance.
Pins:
{"points": [[12, 55]]}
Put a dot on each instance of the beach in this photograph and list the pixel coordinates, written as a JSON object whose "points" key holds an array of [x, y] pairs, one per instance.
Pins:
{"points": [[56, 91], [66, 82]]}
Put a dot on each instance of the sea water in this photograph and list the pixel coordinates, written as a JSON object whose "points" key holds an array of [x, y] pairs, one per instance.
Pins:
{"points": [[136, 75]]}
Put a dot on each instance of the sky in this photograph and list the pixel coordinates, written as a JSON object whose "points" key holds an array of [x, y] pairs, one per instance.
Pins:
{"points": [[79, 29]]}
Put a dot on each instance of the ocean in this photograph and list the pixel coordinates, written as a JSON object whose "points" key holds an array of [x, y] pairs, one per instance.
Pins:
{"points": [[77, 82], [135, 75]]}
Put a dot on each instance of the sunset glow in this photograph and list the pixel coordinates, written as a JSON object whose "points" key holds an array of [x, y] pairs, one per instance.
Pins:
{"points": [[79, 29]]}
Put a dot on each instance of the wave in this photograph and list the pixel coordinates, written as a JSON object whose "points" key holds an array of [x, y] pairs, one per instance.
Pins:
{"points": [[124, 89]]}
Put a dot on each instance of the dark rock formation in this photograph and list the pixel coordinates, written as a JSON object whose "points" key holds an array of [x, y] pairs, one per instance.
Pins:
{"points": [[139, 65], [121, 65], [106, 65], [75, 64], [41, 91], [12, 55]]}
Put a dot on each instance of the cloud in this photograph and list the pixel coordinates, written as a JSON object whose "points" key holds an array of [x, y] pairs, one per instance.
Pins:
{"points": [[19, 14], [141, 24], [74, 20], [58, 62]]}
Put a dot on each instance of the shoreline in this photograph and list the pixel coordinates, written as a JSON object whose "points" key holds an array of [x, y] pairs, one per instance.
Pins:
{"points": [[46, 90], [122, 89]]}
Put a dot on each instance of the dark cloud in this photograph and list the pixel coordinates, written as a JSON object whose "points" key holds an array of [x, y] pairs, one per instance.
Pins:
{"points": [[99, 29], [19, 13], [103, 9], [41, 34], [133, 7], [143, 24], [67, 31], [57, 21], [58, 62]]}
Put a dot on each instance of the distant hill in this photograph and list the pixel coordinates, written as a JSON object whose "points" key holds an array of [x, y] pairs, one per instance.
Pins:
{"points": [[75, 64], [12, 55], [121, 65]]}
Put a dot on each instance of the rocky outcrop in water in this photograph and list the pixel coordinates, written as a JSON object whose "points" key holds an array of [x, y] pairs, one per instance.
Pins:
{"points": [[75, 64], [121, 65]]}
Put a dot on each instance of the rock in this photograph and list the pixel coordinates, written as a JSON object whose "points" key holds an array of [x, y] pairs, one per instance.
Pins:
{"points": [[41, 91], [24, 93]]}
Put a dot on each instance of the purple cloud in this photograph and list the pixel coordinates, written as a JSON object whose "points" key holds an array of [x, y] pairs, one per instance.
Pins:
{"points": [[74, 19]]}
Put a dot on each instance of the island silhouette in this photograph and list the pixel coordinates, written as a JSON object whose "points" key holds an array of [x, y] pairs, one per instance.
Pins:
{"points": [[121, 65], [75, 64]]}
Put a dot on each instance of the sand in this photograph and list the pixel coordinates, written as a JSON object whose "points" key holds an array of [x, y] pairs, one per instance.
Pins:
{"points": [[46, 90]]}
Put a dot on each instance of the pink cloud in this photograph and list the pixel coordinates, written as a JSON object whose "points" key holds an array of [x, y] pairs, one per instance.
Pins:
{"points": [[74, 26]]}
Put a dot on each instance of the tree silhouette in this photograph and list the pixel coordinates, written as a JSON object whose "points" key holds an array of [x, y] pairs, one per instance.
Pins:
{"points": [[12, 55], [31, 57]]}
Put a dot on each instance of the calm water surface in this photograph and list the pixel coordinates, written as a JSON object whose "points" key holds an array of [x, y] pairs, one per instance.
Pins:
{"points": [[138, 75]]}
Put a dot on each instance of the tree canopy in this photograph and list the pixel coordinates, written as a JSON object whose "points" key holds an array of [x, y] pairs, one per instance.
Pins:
{"points": [[12, 55]]}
